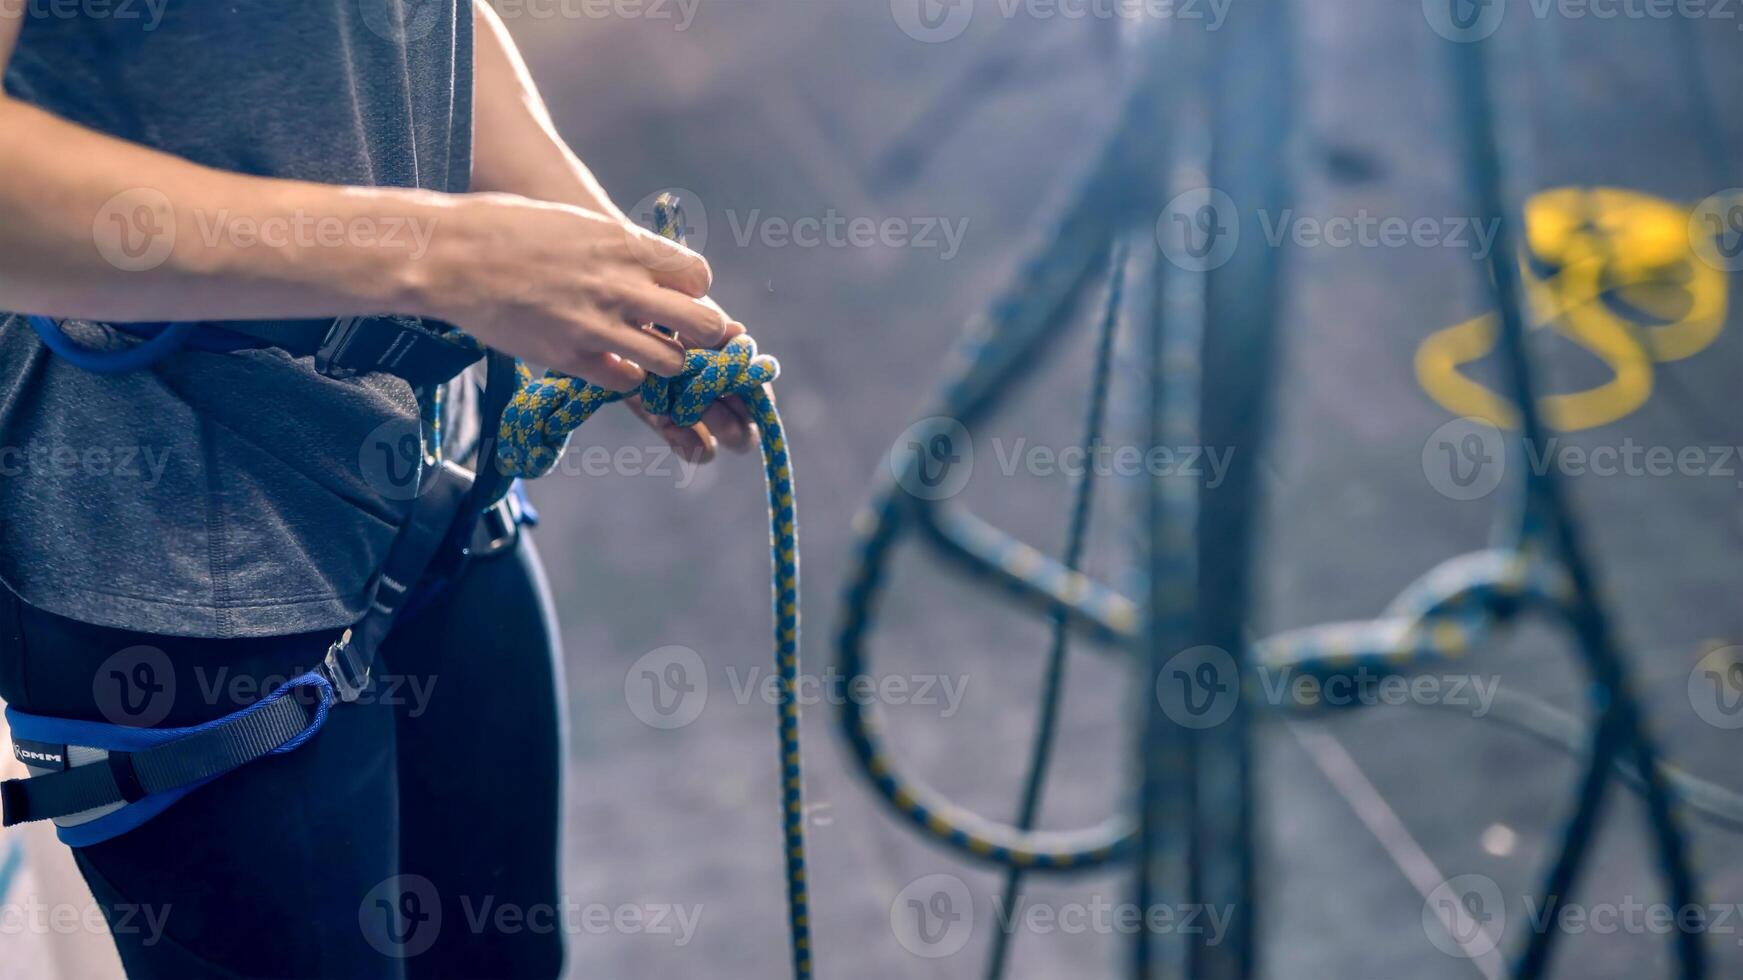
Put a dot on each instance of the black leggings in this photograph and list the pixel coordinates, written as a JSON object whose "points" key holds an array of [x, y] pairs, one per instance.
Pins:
{"points": [[415, 836]]}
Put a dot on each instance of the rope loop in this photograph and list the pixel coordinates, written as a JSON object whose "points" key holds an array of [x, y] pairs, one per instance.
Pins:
{"points": [[545, 411]]}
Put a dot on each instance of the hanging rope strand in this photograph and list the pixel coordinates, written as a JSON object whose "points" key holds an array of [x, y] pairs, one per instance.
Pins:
{"points": [[546, 411]]}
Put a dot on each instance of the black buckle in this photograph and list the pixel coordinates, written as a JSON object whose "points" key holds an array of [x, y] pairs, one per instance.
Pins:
{"points": [[14, 808], [345, 669], [359, 345], [498, 528]]}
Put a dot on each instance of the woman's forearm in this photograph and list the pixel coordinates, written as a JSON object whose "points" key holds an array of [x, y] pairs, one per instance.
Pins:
{"points": [[96, 227], [516, 147]]}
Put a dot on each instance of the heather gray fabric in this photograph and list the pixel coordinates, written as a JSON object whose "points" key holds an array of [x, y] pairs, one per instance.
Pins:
{"points": [[224, 495]]}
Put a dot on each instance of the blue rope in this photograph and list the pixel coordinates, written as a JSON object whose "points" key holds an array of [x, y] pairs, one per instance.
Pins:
{"points": [[536, 428], [164, 340], [1077, 535], [11, 862], [1538, 565]]}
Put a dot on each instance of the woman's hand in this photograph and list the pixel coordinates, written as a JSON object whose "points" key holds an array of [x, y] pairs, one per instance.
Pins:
{"points": [[727, 422], [568, 288]]}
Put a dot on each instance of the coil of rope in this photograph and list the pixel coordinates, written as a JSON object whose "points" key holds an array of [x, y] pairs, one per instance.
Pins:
{"points": [[1539, 565], [535, 428]]}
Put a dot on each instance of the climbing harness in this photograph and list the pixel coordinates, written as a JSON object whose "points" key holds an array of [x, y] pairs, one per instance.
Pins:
{"points": [[97, 781], [1191, 836]]}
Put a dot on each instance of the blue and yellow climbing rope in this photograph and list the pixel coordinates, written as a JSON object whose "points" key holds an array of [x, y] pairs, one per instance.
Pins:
{"points": [[536, 426], [1538, 565]]}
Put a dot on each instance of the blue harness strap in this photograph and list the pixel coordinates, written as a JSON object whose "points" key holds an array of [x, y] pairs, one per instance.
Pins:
{"points": [[402, 346], [163, 339], [97, 781]]}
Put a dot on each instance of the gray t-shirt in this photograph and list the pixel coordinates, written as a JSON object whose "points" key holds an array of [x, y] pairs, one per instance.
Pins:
{"points": [[224, 495]]}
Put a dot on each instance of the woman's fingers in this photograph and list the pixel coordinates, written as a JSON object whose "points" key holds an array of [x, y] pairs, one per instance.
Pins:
{"points": [[608, 371], [699, 323], [673, 266], [694, 443], [653, 353], [733, 428]]}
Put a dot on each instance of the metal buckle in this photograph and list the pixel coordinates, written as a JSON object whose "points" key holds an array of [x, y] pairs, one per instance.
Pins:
{"points": [[500, 526], [344, 669], [334, 345]]}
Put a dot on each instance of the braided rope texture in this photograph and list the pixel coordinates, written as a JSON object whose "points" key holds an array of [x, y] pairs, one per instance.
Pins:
{"points": [[536, 426], [1541, 567]]}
